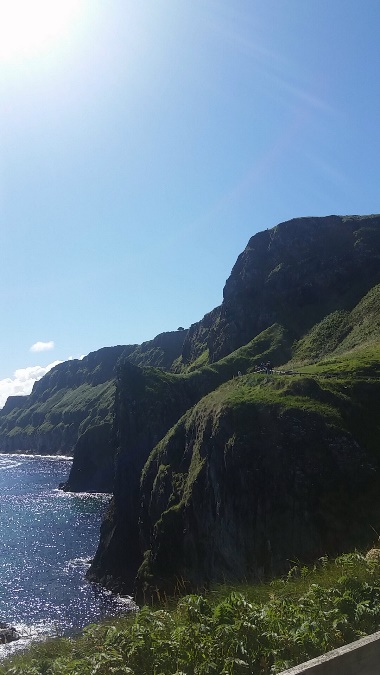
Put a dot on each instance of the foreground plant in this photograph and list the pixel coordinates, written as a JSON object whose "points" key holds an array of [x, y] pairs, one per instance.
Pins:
{"points": [[259, 630]]}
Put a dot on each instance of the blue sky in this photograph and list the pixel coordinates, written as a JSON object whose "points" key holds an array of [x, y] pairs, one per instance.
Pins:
{"points": [[143, 144]]}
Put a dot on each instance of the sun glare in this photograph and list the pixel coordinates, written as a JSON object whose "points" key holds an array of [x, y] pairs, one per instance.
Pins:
{"points": [[28, 27]]}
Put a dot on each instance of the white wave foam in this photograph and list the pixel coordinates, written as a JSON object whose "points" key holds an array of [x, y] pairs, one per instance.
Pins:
{"points": [[68, 458], [8, 464], [77, 563], [102, 496], [29, 455]]}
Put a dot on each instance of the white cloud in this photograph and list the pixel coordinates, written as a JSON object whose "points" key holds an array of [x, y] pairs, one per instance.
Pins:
{"points": [[42, 346], [23, 381]]}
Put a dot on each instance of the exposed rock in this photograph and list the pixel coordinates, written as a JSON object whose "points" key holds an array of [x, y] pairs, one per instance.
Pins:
{"points": [[8, 633], [293, 274], [93, 468]]}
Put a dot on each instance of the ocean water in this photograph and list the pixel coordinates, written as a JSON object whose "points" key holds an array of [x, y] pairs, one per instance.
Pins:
{"points": [[47, 538]]}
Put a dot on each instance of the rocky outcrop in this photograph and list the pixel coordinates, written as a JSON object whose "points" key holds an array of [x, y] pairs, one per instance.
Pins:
{"points": [[93, 468], [8, 633]]}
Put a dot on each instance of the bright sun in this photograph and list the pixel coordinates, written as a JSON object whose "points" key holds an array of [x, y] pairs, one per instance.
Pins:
{"points": [[28, 27]]}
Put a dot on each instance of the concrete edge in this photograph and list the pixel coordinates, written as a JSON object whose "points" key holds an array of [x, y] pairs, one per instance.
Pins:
{"points": [[325, 663]]}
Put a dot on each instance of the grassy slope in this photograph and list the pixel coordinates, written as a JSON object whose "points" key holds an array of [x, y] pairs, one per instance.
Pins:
{"points": [[341, 332], [345, 403], [76, 395], [339, 388], [250, 629]]}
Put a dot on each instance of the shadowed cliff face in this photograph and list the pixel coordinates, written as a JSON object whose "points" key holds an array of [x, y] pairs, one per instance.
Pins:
{"points": [[238, 492], [148, 402], [93, 468]]}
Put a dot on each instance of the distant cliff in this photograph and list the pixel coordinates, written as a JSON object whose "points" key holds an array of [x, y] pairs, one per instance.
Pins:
{"points": [[70, 410], [69, 399]]}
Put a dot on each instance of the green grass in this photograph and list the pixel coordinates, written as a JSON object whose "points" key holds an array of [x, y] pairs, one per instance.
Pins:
{"points": [[247, 391], [359, 362], [342, 333], [258, 629]]}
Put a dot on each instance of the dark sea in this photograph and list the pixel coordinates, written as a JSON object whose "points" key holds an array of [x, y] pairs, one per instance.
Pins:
{"points": [[47, 538]]}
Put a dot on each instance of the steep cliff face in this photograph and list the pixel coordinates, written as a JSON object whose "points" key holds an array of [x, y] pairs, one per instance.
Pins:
{"points": [[93, 468], [293, 274], [148, 402], [94, 460], [161, 352], [257, 474]]}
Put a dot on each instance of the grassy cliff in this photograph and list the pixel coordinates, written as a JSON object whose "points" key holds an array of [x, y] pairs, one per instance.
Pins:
{"points": [[257, 468], [263, 470]]}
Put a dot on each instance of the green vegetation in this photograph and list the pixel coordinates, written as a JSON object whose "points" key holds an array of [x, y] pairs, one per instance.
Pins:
{"points": [[362, 362], [342, 333], [303, 415], [272, 344], [258, 629], [61, 417]]}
